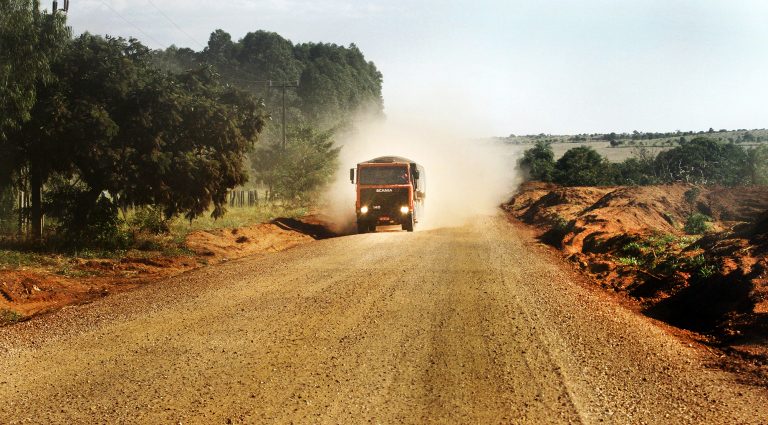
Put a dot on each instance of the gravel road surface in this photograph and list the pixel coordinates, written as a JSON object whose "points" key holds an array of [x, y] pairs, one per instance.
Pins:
{"points": [[476, 324]]}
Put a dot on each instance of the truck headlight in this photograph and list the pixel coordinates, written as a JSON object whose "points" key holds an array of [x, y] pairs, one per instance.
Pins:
{"points": [[364, 210], [404, 210]]}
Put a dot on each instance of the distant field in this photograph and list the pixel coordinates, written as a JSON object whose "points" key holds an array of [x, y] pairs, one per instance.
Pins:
{"points": [[604, 148]]}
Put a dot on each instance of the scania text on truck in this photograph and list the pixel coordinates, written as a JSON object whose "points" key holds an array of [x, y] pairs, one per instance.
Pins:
{"points": [[390, 190]]}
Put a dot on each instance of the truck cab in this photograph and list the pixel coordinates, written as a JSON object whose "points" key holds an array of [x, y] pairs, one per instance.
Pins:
{"points": [[389, 190]]}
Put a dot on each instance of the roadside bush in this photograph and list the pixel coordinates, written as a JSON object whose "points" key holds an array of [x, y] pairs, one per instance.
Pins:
{"points": [[635, 172], [630, 261], [692, 194], [538, 162], [556, 233], [704, 161], [659, 253], [84, 219], [150, 220], [696, 262], [584, 166], [9, 317], [707, 271], [697, 224]]}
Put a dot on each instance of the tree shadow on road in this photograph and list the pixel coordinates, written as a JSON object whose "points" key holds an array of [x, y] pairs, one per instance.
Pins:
{"points": [[313, 230]]}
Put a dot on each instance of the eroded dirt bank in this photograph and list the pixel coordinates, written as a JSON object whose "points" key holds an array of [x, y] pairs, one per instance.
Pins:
{"points": [[478, 324], [52, 282], [631, 240]]}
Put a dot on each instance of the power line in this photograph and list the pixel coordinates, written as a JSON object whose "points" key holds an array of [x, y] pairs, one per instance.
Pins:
{"points": [[167, 18], [283, 86], [132, 24]]}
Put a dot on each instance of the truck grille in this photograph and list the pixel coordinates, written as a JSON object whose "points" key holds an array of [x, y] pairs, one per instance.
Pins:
{"points": [[385, 202]]}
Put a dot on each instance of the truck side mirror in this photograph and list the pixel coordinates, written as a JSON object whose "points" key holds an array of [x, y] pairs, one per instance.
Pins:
{"points": [[414, 171], [352, 175]]}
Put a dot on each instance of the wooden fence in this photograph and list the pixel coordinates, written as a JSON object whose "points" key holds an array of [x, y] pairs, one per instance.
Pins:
{"points": [[13, 213], [15, 221], [243, 198]]}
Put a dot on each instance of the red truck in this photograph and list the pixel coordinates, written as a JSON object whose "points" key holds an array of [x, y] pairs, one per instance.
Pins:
{"points": [[390, 190]]}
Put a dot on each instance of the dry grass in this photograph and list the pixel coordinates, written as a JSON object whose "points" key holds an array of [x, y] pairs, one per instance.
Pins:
{"points": [[234, 218]]}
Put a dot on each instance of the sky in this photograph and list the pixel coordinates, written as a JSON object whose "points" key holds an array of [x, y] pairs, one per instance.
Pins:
{"points": [[507, 67]]}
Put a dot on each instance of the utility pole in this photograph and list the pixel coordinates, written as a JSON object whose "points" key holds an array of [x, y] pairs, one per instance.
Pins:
{"points": [[283, 86]]}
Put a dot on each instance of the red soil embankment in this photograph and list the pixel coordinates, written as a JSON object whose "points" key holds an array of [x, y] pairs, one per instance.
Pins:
{"points": [[631, 240], [56, 281]]}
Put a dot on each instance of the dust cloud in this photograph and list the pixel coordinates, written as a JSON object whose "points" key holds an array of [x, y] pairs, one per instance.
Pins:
{"points": [[465, 176]]}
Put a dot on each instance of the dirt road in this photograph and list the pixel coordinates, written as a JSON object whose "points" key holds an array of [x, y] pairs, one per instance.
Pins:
{"points": [[475, 324]]}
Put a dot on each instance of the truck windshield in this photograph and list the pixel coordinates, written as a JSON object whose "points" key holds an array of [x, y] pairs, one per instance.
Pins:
{"points": [[383, 175]]}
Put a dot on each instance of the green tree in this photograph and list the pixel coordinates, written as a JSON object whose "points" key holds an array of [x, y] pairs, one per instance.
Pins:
{"points": [[757, 165], [296, 173], [114, 125], [584, 166], [335, 82], [704, 161], [220, 50], [177, 60], [30, 40], [538, 162], [635, 172]]}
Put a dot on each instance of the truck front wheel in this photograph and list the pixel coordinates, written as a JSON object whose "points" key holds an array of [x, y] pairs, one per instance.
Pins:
{"points": [[408, 225], [362, 226]]}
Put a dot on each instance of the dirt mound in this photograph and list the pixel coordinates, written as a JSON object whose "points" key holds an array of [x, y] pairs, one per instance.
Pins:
{"points": [[744, 204], [602, 213], [244, 241], [529, 193], [627, 211], [631, 240], [551, 205]]}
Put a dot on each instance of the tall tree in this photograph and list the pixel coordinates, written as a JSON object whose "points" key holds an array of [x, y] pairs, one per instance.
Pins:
{"points": [[30, 40], [335, 81]]}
